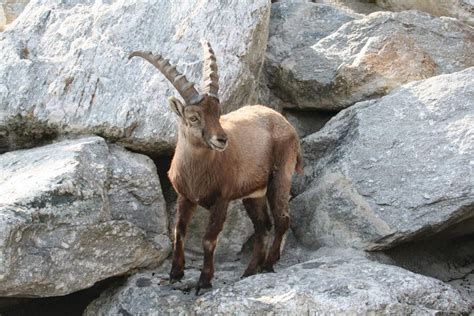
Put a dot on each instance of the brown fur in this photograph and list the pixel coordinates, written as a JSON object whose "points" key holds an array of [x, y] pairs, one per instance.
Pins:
{"points": [[248, 154], [262, 154], [246, 164]]}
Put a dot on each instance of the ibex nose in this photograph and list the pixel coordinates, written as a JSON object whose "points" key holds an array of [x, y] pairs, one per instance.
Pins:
{"points": [[218, 142], [222, 139]]}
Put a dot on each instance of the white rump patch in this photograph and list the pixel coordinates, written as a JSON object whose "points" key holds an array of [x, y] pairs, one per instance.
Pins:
{"points": [[257, 194]]}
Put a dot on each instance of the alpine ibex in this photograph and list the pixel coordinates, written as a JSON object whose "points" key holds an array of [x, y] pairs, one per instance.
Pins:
{"points": [[248, 154]]}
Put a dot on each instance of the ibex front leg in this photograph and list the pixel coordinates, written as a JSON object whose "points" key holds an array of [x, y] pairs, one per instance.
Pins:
{"points": [[185, 211], [216, 222]]}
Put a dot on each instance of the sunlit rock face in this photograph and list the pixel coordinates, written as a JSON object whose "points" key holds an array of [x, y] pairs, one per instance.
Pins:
{"points": [[328, 285], [10, 10], [294, 26], [64, 66], [3, 18], [361, 59], [387, 171], [460, 9], [77, 212]]}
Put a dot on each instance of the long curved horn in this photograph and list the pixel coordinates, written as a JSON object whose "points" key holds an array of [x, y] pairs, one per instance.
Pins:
{"points": [[178, 80], [210, 76]]}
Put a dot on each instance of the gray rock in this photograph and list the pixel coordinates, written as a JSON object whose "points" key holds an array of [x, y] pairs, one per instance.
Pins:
{"points": [[3, 18], [9, 10], [291, 1], [77, 212], [369, 57], [362, 7], [460, 9], [328, 285], [238, 229], [359, 7], [392, 170], [64, 67], [297, 25], [294, 26]]}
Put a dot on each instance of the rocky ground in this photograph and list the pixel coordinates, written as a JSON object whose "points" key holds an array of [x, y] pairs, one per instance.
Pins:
{"points": [[382, 96]]}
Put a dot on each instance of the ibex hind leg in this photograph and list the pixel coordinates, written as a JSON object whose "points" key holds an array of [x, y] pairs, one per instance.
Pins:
{"points": [[278, 195], [257, 210]]}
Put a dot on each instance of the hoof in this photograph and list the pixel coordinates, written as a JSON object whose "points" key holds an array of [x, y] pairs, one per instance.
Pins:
{"points": [[268, 270], [248, 273], [176, 276], [202, 286]]}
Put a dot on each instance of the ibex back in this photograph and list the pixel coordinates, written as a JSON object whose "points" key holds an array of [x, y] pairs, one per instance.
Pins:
{"points": [[248, 154]]}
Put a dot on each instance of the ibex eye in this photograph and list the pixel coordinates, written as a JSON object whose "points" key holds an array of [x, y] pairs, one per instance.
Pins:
{"points": [[193, 119]]}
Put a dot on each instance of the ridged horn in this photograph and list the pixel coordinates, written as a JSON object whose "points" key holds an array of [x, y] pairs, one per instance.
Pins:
{"points": [[183, 86], [210, 76]]}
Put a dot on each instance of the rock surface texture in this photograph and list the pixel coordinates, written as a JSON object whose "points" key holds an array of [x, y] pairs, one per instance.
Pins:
{"points": [[3, 18], [64, 66], [391, 170], [293, 26], [362, 7], [382, 218], [11, 10], [367, 58], [460, 9], [325, 285], [74, 213]]}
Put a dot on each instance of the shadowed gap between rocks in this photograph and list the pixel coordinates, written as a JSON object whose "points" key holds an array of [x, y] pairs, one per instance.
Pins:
{"points": [[23, 135], [461, 223], [163, 164], [447, 256], [72, 304], [307, 122]]}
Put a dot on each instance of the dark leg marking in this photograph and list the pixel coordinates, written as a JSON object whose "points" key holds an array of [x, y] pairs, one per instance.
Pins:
{"points": [[185, 211], [257, 210], [278, 194], [209, 243]]}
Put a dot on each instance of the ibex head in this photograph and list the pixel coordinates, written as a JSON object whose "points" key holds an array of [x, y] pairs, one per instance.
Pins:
{"points": [[199, 114]]}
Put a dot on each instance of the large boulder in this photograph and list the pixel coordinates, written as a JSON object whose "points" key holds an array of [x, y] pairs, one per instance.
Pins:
{"points": [[460, 9], [64, 66], [294, 26], [391, 170], [77, 212], [328, 285], [307, 122], [371, 56]]}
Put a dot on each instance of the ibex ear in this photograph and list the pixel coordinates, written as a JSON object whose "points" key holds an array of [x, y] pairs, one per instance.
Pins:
{"points": [[176, 106]]}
